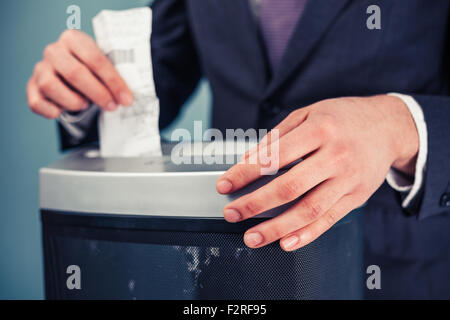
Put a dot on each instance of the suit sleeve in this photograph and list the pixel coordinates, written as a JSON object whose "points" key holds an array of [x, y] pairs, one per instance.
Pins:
{"points": [[176, 67], [431, 200]]}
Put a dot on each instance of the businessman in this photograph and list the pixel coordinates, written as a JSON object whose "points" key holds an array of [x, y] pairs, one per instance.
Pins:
{"points": [[368, 109]]}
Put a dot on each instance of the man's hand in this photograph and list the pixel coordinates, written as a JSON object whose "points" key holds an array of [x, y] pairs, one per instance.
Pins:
{"points": [[73, 72], [347, 145]]}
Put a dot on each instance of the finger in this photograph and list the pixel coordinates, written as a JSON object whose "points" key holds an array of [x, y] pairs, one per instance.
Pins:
{"points": [[38, 104], [284, 189], [306, 211], [54, 89], [78, 75], [308, 234], [291, 147], [87, 51], [293, 120]]}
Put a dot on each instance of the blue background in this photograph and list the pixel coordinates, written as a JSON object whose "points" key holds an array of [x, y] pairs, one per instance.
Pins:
{"points": [[29, 142]]}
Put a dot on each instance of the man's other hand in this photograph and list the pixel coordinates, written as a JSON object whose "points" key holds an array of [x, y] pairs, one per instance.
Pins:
{"points": [[347, 145]]}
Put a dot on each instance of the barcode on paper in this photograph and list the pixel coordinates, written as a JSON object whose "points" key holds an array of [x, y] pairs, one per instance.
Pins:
{"points": [[121, 56]]}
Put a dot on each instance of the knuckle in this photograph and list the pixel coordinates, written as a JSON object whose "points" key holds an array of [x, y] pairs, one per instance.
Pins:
{"points": [[330, 218], [54, 113], [68, 34], [327, 128], [113, 83], [251, 208], [312, 235], [240, 174], [312, 208], [49, 50], [289, 190], [323, 132], [116, 85], [34, 105], [276, 232], [342, 152], [74, 73], [97, 61], [38, 67], [102, 97], [79, 104], [73, 105], [295, 113], [46, 83]]}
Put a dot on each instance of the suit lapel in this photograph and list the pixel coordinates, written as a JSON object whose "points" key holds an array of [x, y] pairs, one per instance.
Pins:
{"points": [[315, 21]]}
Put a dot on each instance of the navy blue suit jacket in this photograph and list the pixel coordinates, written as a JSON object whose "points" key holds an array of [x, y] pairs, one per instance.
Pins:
{"points": [[331, 54]]}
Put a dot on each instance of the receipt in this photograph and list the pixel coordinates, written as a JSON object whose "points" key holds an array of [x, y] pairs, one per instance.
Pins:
{"points": [[124, 36]]}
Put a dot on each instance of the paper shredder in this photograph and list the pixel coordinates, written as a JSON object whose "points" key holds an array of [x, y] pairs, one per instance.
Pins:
{"points": [[146, 228]]}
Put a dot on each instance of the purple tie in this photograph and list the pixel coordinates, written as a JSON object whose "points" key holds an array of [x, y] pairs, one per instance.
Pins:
{"points": [[278, 19]]}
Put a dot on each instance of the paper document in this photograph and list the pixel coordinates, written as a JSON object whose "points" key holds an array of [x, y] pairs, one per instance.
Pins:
{"points": [[124, 36]]}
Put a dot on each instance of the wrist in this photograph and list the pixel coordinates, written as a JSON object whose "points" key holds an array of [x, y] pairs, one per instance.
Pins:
{"points": [[404, 136]]}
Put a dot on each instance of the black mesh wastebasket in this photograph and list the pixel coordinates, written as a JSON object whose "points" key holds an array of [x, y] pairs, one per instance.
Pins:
{"points": [[149, 229]]}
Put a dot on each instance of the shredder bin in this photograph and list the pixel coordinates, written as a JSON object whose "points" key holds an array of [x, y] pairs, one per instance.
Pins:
{"points": [[145, 228]]}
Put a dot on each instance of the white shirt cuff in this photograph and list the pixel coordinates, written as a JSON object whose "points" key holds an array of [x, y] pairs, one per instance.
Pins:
{"points": [[393, 178]]}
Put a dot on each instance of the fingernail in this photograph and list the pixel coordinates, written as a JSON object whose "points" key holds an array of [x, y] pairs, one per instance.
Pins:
{"points": [[289, 242], [126, 99], [232, 215], [85, 105], [253, 239], [111, 106], [224, 186]]}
